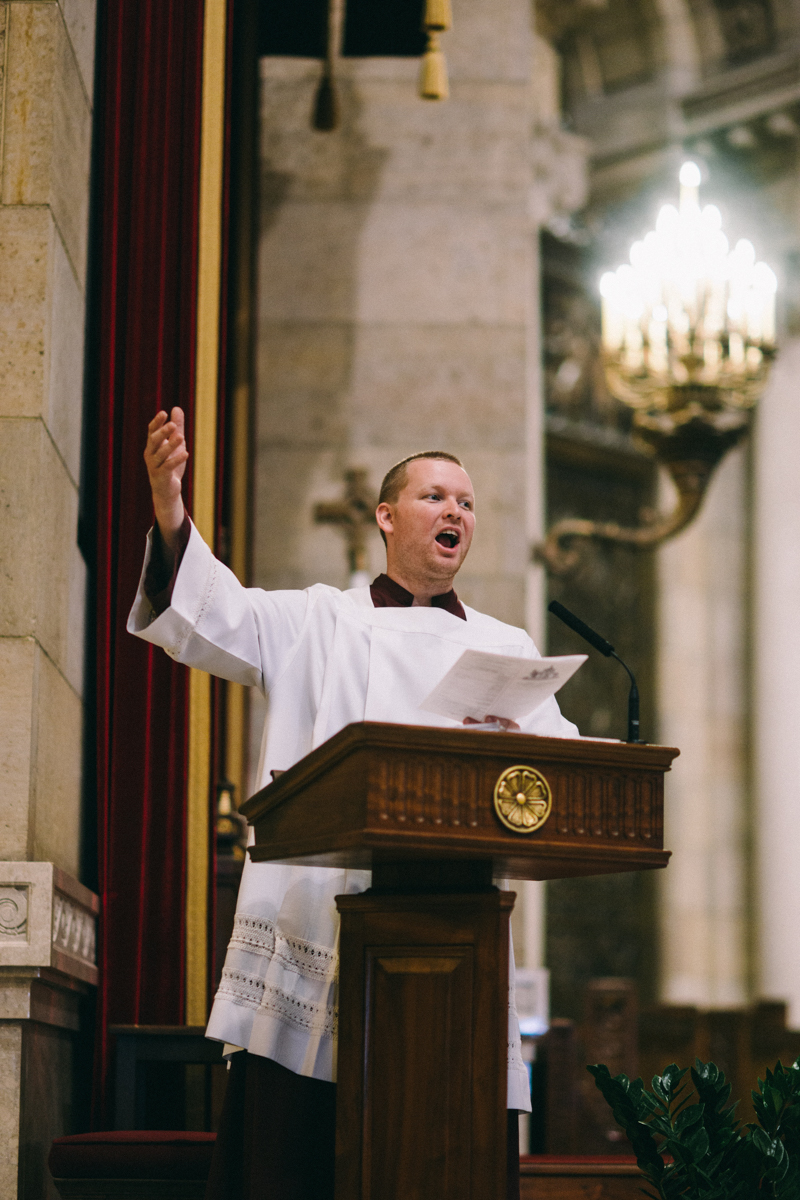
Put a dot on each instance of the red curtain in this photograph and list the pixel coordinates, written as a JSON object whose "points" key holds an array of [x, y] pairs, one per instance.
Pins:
{"points": [[145, 224]]}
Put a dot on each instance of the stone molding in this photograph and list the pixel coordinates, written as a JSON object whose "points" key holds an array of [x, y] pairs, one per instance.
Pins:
{"points": [[47, 919], [560, 173], [743, 93]]}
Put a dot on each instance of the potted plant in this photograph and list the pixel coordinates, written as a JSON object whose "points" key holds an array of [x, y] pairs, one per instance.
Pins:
{"points": [[700, 1151]]}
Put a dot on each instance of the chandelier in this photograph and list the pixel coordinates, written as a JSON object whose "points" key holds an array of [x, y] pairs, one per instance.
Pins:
{"points": [[688, 338]]}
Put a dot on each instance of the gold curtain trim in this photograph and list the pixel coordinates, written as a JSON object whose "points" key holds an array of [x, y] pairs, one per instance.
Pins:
{"points": [[204, 453], [236, 696]]}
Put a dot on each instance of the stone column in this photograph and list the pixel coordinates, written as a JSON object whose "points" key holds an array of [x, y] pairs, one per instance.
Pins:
{"points": [[46, 76], [47, 966], [776, 680], [702, 708]]}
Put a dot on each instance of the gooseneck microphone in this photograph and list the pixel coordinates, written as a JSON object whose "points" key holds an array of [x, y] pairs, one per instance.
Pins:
{"points": [[600, 643]]}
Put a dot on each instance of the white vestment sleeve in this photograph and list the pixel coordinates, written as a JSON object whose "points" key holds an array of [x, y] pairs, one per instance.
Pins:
{"points": [[216, 624]]}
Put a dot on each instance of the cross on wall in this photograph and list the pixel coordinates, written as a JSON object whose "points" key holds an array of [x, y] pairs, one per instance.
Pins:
{"points": [[354, 514]]}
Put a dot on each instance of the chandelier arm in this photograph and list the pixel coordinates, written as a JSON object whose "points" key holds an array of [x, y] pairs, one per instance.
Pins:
{"points": [[560, 559]]}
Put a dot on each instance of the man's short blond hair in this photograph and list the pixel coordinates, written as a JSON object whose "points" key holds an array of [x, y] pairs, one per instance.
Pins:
{"points": [[397, 477]]}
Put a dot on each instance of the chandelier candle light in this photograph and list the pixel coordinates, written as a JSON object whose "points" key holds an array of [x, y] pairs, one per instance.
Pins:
{"points": [[688, 339], [688, 311]]}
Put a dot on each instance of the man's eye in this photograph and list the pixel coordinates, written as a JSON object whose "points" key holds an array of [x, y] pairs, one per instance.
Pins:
{"points": [[434, 496], [466, 504]]}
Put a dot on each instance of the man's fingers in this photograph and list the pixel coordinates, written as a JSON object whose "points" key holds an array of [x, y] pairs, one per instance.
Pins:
{"points": [[157, 436], [163, 426], [166, 449], [509, 725], [157, 421], [165, 455], [506, 722], [177, 455], [166, 433]]}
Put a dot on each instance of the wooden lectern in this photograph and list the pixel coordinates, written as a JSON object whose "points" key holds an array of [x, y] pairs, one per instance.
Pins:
{"points": [[436, 814]]}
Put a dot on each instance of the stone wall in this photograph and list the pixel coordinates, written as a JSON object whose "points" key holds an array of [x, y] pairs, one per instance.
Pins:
{"points": [[46, 78], [397, 285], [45, 133]]}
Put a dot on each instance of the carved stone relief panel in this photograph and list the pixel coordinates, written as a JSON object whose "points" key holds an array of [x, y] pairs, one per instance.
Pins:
{"points": [[14, 913], [74, 929], [47, 919]]}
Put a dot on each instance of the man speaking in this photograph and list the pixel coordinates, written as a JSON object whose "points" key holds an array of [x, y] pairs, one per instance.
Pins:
{"points": [[324, 658]]}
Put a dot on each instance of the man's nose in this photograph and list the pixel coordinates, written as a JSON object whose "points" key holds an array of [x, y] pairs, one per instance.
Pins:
{"points": [[453, 512]]}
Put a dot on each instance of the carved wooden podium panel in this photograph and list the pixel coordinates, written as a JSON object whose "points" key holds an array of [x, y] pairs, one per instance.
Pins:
{"points": [[379, 792], [423, 982]]}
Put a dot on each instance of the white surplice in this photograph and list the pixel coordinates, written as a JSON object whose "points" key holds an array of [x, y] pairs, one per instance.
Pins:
{"points": [[325, 658]]}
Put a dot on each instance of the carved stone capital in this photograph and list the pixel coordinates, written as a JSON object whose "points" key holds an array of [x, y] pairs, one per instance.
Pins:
{"points": [[47, 919], [560, 173]]}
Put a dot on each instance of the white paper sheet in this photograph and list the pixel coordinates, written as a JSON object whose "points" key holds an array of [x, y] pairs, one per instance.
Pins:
{"points": [[499, 685]]}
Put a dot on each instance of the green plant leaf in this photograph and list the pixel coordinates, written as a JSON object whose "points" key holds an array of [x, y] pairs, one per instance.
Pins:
{"points": [[630, 1110], [689, 1116], [712, 1157]]}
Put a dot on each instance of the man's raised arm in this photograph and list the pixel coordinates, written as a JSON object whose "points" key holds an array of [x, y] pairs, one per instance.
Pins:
{"points": [[165, 456], [190, 603]]}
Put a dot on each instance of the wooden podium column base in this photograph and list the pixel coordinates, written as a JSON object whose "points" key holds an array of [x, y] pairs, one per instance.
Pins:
{"points": [[423, 1030]]}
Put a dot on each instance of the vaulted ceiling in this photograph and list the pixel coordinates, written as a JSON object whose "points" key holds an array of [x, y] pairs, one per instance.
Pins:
{"points": [[708, 76], [612, 44]]}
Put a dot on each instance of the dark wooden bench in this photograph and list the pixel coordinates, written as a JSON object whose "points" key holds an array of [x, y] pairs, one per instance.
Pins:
{"points": [[132, 1165], [135, 1163], [579, 1177]]}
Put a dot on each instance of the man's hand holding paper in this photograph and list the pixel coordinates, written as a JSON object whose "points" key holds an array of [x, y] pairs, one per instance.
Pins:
{"points": [[504, 685]]}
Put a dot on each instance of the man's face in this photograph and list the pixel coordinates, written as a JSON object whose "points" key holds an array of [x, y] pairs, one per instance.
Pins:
{"points": [[429, 529]]}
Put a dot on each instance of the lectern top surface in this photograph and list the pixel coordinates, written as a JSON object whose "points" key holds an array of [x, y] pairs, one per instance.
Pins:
{"points": [[410, 738]]}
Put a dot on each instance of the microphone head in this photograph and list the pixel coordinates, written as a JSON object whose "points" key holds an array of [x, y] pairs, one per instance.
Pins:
{"points": [[577, 626]]}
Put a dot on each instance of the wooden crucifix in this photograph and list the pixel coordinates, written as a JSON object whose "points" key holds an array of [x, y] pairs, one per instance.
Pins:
{"points": [[354, 514]]}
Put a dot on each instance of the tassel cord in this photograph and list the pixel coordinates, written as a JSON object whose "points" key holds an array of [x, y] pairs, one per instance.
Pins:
{"points": [[327, 108]]}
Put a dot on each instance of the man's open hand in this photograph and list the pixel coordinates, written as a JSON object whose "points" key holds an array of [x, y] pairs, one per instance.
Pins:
{"points": [[165, 456]]}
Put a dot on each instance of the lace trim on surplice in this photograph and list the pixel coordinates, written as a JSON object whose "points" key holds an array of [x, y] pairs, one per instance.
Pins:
{"points": [[241, 988], [514, 1057], [258, 935]]}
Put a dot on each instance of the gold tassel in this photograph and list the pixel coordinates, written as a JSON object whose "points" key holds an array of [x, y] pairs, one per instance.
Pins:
{"points": [[438, 15], [433, 76]]}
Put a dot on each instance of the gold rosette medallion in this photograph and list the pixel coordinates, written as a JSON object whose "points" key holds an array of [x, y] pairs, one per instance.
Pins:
{"points": [[522, 799]]}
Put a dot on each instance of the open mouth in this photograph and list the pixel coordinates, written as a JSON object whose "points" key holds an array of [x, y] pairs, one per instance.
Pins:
{"points": [[448, 538]]}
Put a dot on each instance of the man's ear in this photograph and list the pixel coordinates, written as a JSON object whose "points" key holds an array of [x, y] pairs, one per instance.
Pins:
{"points": [[383, 515]]}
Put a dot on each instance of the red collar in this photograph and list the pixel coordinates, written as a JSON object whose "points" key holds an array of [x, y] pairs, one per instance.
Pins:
{"points": [[386, 593]]}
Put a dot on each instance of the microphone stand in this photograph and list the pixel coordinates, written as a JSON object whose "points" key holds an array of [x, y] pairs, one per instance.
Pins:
{"points": [[633, 702], [600, 643]]}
